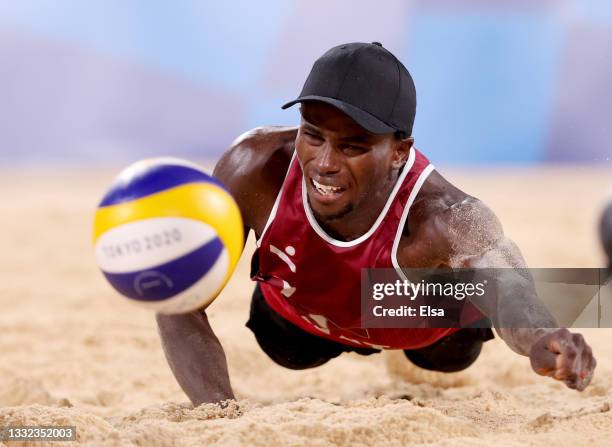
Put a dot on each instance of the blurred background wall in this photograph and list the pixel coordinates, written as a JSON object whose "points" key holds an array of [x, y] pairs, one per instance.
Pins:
{"points": [[498, 81]]}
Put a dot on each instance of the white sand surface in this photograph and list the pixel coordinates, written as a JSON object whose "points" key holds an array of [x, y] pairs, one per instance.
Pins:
{"points": [[73, 353]]}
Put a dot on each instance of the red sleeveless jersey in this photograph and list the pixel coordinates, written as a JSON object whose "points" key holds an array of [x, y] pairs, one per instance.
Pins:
{"points": [[314, 281]]}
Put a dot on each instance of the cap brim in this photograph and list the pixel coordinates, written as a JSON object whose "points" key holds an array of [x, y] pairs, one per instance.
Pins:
{"points": [[364, 119]]}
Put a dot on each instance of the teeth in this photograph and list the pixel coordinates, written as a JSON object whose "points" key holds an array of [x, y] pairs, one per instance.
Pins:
{"points": [[325, 189]]}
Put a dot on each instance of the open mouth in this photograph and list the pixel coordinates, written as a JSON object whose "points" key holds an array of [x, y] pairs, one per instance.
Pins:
{"points": [[326, 190]]}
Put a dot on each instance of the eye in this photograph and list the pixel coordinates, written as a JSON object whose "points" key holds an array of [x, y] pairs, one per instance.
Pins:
{"points": [[312, 138], [353, 150]]}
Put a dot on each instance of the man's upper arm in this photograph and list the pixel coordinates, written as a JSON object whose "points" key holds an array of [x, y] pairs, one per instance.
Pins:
{"points": [[475, 237], [447, 228]]}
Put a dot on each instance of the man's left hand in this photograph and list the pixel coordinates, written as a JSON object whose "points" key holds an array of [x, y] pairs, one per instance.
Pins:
{"points": [[564, 356]]}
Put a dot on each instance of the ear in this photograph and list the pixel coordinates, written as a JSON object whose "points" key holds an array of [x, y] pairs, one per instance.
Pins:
{"points": [[401, 151]]}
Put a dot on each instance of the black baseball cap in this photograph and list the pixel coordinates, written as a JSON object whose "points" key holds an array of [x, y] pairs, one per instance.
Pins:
{"points": [[368, 83]]}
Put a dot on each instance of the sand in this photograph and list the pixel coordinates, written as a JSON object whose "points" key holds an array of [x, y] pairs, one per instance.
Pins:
{"points": [[73, 353]]}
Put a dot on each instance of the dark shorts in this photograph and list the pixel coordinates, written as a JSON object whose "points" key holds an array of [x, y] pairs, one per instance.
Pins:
{"points": [[292, 347]]}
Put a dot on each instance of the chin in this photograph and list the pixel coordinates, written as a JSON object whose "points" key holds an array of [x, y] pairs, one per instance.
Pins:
{"points": [[327, 214]]}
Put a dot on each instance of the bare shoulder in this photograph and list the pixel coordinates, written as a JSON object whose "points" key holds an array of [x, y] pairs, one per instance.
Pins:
{"points": [[444, 222], [253, 169]]}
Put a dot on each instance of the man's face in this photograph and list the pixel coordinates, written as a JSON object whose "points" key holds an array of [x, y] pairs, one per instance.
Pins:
{"points": [[346, 168]]}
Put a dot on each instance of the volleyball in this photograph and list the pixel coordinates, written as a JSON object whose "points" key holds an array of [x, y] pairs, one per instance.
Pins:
{"points": [[167, 235]]}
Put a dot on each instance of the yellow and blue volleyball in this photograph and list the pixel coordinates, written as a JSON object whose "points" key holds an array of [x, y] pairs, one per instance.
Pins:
{"points": [[167, 235]]}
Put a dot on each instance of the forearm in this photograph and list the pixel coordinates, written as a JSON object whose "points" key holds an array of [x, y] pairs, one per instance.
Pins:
{"points": [[195, 357], [518, 315], [511, 300]]}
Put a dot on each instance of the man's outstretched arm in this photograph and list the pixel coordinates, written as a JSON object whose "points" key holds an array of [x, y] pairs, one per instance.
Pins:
{"points": [[468, 235], [519, 316]]}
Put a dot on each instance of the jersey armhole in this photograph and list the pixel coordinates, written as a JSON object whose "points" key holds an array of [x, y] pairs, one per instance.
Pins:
{"points": [[400, 228]]}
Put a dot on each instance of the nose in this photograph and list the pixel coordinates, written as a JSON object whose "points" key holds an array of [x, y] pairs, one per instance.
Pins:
{"points": [[327, 160]]}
